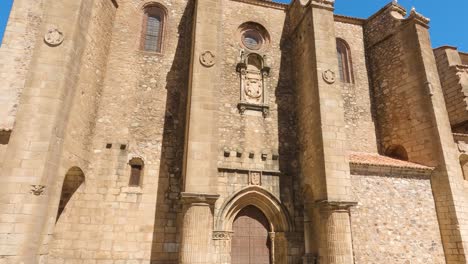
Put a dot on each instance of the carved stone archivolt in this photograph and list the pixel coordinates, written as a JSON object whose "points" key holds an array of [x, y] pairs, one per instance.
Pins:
{"points": [[53, 36], [207, 58], [254, 74]]}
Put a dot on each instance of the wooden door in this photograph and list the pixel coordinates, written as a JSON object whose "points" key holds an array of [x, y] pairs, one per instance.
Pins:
{"points": [[250, 241]]}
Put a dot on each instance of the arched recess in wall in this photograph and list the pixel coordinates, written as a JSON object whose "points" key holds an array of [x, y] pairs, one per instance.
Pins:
{"points": [[397, 152], [153, 27], [464, 165], [345, 67], [74, 178], [278, 220], [259, 197]]}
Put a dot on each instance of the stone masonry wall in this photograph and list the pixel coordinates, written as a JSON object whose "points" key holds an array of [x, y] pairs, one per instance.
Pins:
{"points": [[450, 77], [464, 57], [140, 114], [396, 87], [357, 95], [395, 220], [16, 50]]}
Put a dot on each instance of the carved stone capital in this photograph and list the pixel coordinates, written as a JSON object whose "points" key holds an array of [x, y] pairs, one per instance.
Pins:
{"points": [[334, 205], [198, 198], [222, 235]]}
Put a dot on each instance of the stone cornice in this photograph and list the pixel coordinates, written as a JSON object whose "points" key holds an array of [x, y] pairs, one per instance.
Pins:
{"points": [[325, 4], [419, 19], [392, 7], [446, 47], [349, 20], [264, 3], [389, 171]]}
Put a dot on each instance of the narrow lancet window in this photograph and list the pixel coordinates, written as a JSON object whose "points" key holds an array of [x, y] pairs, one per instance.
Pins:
{"points": [[344, 61], [153, 28]]}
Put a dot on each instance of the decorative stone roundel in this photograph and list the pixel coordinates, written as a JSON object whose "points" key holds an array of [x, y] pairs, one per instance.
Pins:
{"points": [[207, 58], [329, 76], [54, 36]]}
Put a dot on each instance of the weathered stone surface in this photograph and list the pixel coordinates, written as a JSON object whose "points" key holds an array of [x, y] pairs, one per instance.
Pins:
{"points": [[243, 104]]}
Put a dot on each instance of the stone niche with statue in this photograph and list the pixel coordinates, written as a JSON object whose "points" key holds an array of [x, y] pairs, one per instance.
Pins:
{"points": [[254, 73]]}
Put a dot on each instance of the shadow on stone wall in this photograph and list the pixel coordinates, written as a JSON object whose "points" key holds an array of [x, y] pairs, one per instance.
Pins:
{"points": [[288, 148], [166, 233]]}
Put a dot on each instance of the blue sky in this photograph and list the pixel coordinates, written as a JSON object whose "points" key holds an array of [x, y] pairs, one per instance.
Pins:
{"points": [[447, 24]]}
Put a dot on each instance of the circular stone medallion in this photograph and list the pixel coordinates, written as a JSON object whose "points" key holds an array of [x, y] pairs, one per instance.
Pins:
{"points": [[207, 58], [54, 36], [329, 76]]}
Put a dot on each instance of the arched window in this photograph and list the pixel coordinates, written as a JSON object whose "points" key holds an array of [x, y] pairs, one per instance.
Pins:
{"points": [[344, 61], [153, 28], [136, 172]]}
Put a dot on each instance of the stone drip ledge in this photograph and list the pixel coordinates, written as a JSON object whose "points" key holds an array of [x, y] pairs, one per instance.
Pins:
{"points": [[248, 169], [378, 165]]}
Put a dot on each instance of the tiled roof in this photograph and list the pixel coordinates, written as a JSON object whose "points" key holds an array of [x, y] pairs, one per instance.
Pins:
{"points": [[379, 160]]}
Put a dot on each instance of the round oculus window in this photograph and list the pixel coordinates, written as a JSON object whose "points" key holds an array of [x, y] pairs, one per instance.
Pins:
{"points": [[252, 39]]}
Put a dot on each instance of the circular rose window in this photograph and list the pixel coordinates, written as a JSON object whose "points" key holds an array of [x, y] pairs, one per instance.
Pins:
{"points": [[253, 36], [252, 39]]}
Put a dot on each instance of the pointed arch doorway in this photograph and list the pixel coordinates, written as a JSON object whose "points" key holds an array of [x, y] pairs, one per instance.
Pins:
{"points": [[251, 242]]}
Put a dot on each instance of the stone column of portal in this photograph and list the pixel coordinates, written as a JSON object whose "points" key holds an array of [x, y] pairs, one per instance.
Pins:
{"points": [[336, 233], [197, 228], [201, 150]]}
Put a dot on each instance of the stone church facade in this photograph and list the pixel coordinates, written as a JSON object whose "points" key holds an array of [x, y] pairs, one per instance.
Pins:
{"points": [[229, 132]]}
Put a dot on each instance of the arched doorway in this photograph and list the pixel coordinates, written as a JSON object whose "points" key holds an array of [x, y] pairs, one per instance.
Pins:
{"points": [[250, 241]]}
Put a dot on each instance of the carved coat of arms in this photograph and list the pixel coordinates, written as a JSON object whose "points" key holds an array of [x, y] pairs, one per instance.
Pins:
{"points": [[253, 86]]}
